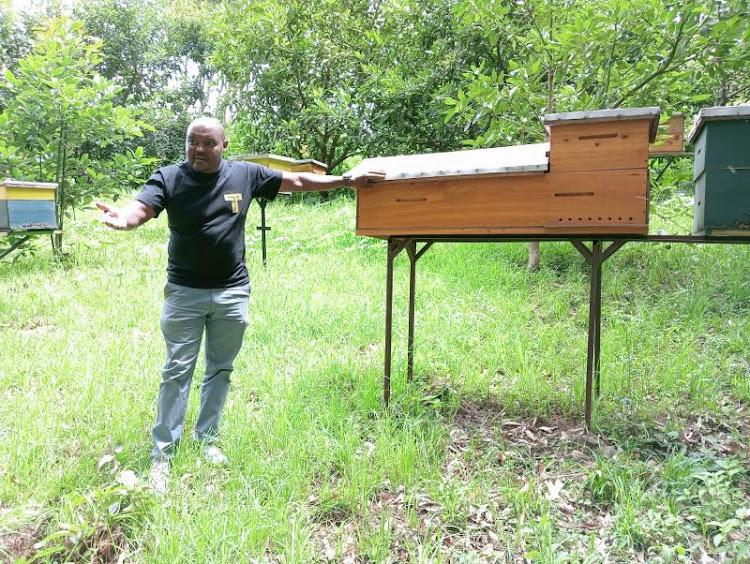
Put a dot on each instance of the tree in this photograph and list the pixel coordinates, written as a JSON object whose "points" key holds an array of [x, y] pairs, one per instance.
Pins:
{"points": [[61, 119], [417, 56], [723, 72], [157, 51], [332, 80], [550, 56], [15, 38], [295, 79]]}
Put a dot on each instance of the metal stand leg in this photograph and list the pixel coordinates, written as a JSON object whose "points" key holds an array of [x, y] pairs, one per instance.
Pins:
{"points": [[262, 228], [395, 246], [411, 249], [595, 257], [14, 246], [595, 318]]}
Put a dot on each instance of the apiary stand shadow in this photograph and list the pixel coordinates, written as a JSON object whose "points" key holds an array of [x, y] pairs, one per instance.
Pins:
{"points": [[601, 249]]}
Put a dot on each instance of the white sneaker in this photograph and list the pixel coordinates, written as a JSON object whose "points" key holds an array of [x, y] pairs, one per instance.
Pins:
{"points": [[158, 477], [214, 456]]}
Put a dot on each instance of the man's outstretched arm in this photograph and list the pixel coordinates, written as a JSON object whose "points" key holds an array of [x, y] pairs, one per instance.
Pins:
{"points": [[131, 216], [305, 181]]}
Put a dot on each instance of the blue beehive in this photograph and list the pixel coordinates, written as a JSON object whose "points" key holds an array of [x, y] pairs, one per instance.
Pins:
{"points": [[27, 206]]}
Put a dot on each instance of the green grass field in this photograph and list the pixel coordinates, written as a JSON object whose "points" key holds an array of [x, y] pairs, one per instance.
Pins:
{"points": [[482, 458]]}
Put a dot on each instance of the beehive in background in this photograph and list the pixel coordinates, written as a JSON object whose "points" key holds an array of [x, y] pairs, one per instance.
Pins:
{"points": [[285, 164], [590, 178], [722, 171], [27, 206]]}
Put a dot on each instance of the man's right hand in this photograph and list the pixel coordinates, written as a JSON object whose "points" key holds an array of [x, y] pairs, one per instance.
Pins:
{"points": [[112, 216], [134, 214]]}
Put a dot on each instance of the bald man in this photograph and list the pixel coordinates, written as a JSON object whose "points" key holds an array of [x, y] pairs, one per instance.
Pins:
{"points": [[206, 198]]}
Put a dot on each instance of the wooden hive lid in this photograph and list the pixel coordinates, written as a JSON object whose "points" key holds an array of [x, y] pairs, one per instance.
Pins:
{"points": [[517, 159], [717, 113], [617, 114]]}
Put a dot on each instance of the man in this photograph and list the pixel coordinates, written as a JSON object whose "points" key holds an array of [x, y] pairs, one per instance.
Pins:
{"points": [[207, 199]]}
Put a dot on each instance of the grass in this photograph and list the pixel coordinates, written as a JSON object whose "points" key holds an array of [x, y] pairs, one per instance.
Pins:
{"points": [[481, 459]]}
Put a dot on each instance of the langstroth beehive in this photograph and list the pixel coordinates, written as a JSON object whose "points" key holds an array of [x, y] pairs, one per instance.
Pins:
{"points": [[722, 171]]}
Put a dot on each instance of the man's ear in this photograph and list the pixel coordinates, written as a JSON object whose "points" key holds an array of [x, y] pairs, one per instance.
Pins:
{"points": [[226, 142]]}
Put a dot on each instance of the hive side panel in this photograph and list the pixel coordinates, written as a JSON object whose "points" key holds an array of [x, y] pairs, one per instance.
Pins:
{"points": [[607, 198], [31, 214], [699, 155], [722, 178], [726, 145], [614, 199], [727, 200], [4, 224], [699, 206], [29, 193]]}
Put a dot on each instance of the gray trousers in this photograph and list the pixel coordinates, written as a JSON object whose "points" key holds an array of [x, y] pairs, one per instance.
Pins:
{"points": [[223, 314]]}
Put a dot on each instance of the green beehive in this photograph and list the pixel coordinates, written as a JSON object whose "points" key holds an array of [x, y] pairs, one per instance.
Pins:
{"points": [[722, 171]]}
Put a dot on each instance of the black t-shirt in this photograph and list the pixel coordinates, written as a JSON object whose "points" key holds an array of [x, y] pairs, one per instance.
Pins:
{"points": [[207, 219]]}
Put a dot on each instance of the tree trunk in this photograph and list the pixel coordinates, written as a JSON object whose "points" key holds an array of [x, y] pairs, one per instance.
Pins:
{"points": [[57, 239], [533, 263]]}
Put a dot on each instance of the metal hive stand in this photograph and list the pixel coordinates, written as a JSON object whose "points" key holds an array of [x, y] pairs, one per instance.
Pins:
{"points": [[595, 256]]}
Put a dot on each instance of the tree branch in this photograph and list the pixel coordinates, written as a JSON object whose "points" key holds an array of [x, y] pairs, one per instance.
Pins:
{"points": [[663, 67]]}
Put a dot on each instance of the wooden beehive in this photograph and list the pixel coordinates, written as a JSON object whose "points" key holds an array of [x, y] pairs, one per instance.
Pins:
{"points": [[27, 206], [591, 178], [285, 164], [722, 171]]}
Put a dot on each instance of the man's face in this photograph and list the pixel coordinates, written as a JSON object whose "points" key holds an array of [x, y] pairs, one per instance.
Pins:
{"points": [[204, 146]]}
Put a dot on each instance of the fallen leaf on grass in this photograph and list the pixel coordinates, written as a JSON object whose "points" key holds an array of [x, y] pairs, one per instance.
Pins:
{"points": [[128, 479], [554, 488], [104, 460]]}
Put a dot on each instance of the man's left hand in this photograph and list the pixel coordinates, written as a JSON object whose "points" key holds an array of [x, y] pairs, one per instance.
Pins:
{"points": [[365, 179]]}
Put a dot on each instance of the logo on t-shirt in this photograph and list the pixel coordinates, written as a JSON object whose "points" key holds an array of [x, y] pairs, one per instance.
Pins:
{"points": [[235, 199]]}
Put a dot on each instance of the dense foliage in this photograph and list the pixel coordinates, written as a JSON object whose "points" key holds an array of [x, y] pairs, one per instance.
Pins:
{"points": [[331, 80], [61, 121]]}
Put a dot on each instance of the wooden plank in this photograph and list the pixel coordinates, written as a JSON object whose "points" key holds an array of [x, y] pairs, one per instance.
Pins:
{"points": [[599, 198], [599, 146], [727, 233], [309, 166], [670, 138], [11, 189], [651, 114], [530, 230], [285, 164], [29, 193]]}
